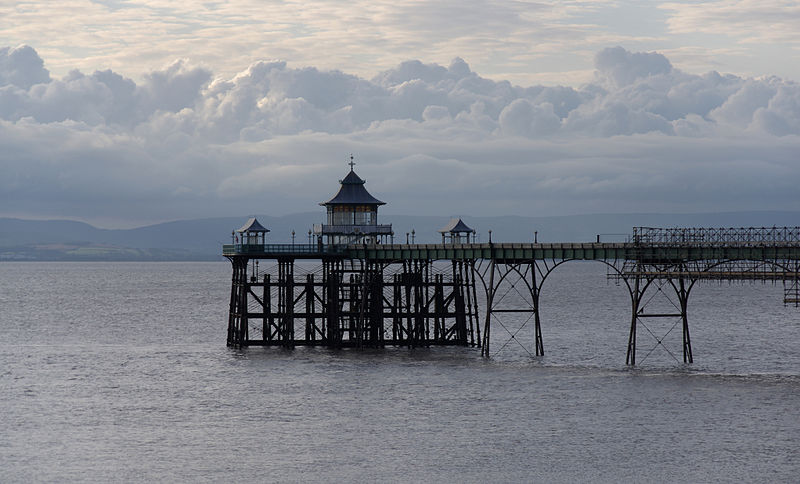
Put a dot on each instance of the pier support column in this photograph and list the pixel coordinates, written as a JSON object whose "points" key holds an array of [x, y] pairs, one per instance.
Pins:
{"points": [[636, 297], [641, 283], [332, 284], [537, 323], [474, 322], [311, 329], [461, 310], [683, 298], [376, 336], [487, 328], [286, 302], [267, 319], [439, 327], [237, 314]]}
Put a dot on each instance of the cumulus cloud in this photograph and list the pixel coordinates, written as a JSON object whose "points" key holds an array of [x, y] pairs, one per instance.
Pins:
{"points": [[429, 138], [21, 67], [523, 118], [621, 68]]}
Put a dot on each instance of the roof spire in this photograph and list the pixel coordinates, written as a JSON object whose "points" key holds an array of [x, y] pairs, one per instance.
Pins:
{"points": [[352, 163]]}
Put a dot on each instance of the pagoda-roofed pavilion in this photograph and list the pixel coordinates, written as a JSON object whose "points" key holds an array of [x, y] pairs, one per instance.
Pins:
{"points": [[353, 214], [252, 232], [456, 232]]}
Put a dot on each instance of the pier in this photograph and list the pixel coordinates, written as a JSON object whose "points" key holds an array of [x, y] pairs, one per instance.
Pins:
{"points": [[357, 288]]}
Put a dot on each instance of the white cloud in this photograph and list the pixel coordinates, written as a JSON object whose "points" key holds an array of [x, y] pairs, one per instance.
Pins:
{"points": [[782, 115], [523, 41], [618, 67], [749, 20], [523, 118], [644, 136]]}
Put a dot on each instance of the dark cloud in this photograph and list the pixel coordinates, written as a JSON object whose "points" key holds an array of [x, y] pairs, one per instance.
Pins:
{"points": [[21, 67], [643, 136], [174, 88]]}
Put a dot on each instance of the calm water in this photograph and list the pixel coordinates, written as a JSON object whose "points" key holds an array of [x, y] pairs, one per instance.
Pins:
{"points": [[119, 372]]}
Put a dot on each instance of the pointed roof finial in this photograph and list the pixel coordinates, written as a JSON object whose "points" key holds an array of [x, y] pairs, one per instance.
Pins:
{"points": [[352, 163]]}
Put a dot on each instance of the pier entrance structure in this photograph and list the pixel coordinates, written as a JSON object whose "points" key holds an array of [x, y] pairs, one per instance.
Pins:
{"points": [[353, 289]]}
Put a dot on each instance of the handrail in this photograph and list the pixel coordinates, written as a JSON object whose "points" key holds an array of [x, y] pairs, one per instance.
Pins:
{"points": [[244, 249], [353, 229], [716, 237]]}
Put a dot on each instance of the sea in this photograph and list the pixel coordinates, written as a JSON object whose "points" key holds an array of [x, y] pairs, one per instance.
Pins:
{"points": [[119, 372]]}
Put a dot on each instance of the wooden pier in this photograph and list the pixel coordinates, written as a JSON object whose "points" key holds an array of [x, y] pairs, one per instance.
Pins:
{"points": [[352, 303]]}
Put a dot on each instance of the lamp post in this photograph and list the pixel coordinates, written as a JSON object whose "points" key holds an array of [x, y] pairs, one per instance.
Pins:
{"points": [[309, 236], [406, 238], [292, 237], [490, 236], [413, 237], [535, 236]]}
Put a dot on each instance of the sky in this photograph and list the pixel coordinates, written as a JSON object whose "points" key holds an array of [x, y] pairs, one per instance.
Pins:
{"points": [[123, 113]]}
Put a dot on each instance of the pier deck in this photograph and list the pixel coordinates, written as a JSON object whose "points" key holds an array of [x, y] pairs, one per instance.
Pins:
{"points": [[522, 251], [378, 294]]}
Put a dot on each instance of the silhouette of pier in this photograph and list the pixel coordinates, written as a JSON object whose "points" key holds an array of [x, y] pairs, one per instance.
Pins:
{"points": [[367, 291]]}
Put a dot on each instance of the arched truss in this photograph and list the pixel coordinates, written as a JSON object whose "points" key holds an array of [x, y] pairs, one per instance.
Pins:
{"points": [[638, 286], [531, 274], [643, 281], [681, 277]]}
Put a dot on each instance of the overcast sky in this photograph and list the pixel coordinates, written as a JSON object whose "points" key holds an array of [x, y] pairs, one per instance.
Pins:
{"points": [[122, 113]]}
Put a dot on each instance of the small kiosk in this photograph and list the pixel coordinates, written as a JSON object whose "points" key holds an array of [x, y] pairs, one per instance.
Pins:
{"points": [[252, 233], [456, 232]]}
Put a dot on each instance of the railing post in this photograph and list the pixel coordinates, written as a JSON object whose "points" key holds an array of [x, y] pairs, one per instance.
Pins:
{"points": [[489, 301]]}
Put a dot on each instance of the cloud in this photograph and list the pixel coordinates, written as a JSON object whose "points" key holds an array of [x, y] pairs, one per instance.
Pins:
{"points": [[523, 42], [781, 117], [523, 118], [176, 87], [140, 34], [21, 67], [621, 68], [752, 21], [182, 142]]}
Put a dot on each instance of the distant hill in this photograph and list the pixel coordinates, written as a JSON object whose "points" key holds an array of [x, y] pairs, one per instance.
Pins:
{"points": [[201, 239]]}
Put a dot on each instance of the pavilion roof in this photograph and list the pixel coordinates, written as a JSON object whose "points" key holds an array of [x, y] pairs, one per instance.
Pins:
{"points": [[252, 225], [352, 192], [456, 226]]}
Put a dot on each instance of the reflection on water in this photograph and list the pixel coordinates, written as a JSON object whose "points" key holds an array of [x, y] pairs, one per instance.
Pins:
{"points": [[119, 372]]}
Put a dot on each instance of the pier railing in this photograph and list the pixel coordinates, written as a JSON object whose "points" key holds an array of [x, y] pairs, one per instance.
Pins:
{"points": [[646, 244], [352, 229], [278, 249], [717, 237], [389, 252]]}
